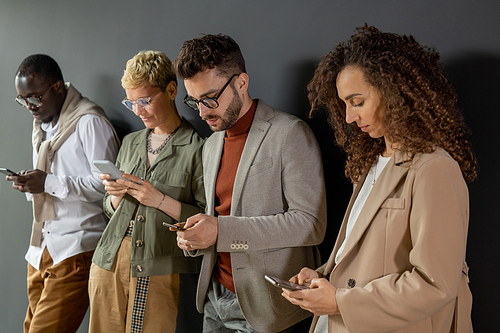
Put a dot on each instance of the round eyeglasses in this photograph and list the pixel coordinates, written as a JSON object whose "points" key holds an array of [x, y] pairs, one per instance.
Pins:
{"points": [[144, 102], [209, 102], [36, 101]]}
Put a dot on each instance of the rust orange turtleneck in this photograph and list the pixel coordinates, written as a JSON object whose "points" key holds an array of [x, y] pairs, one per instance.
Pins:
{"points": [[234, 142]]}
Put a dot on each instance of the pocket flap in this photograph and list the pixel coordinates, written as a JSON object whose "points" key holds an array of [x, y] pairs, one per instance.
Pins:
{"points": [[394, 203]]}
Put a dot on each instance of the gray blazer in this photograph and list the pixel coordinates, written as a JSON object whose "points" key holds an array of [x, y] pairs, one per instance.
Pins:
{"points": [[278, 215]]}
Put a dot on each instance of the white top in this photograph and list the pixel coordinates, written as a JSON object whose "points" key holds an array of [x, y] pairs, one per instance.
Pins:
{"points": [[371, 178], [77, 190]]}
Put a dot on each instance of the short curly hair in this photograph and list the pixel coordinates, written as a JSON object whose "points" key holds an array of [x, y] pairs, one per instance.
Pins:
{"points": [[421, 104], [208, 52], [152, 68]]}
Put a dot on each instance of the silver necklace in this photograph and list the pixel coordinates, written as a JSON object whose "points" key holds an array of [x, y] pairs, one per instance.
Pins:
{"points": [[157, 150]]}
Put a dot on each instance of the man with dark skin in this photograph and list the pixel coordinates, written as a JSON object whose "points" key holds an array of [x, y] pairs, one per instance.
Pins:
{"points": [[32, 85], [69, 132]]}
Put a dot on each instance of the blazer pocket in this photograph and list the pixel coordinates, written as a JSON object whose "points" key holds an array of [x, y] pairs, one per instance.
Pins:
{"points": [[260, 167], [393, 203]]}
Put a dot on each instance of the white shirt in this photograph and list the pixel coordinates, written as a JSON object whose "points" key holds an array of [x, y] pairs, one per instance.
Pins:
{"points": [[371, 178], [77, 190]]}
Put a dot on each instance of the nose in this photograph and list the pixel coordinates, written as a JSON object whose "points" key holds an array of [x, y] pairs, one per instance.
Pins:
{"points": [[31, 107], [203, 110], [137, 109], [350, 115]]}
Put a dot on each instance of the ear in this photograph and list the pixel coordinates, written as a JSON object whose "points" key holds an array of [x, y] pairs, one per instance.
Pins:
{"points": [[241, 83], [171, 90], [59, 86]]}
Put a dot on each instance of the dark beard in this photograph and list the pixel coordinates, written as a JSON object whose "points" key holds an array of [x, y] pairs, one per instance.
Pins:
{"points": [[232, 113]]}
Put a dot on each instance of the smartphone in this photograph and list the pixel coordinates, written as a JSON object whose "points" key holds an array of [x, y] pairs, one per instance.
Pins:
{"points": [[284, 284], [173, 226], [8, 172], [108, 167]]}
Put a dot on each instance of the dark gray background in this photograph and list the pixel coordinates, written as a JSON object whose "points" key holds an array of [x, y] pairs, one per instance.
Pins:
{"points": [[282, 42]]}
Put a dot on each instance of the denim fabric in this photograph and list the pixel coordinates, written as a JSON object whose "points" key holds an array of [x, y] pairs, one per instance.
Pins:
{"points": [[222, 312]]}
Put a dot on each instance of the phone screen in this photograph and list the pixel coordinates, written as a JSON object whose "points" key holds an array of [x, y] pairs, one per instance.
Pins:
{"points": [[277, 282], [165, 224], [8, 172], [108, 167]]}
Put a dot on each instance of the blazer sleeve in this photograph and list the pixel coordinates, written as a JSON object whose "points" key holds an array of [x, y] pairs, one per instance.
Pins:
{"points": [[296, 187], [438, 222]]}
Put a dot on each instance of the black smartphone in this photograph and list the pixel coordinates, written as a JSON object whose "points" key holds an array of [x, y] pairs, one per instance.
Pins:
{"points": [[8, 172], [173, 226], [284, 284]]}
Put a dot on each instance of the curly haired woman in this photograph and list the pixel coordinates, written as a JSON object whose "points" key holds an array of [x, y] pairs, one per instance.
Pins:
{"points": [[398, 264]]}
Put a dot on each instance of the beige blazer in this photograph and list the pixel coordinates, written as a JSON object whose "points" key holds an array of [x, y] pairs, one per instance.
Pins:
{"points": [[278, 215], [403, 267]]}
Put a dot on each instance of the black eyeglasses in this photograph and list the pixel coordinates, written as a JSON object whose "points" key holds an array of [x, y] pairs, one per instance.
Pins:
{"points": [[36, 101], [209, 102]]}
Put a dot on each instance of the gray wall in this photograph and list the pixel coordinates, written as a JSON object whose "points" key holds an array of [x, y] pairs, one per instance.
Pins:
{"points": [[282, 41]]}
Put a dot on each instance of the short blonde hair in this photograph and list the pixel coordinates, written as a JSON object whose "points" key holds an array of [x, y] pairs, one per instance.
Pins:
{"points": [[152, 68]]}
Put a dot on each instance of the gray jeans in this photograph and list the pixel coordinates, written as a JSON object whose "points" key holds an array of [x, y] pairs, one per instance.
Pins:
{"points": [[222, 312]]}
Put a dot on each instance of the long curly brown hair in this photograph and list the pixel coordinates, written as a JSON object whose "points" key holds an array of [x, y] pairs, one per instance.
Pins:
{"points": [[420, 103]]}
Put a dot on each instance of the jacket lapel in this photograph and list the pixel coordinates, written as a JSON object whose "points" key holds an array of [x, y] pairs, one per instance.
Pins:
{"points": [[341, 236], [182, 137], [141, 152], [212, 155], [167, 150], [258, 130], [386, 183]]}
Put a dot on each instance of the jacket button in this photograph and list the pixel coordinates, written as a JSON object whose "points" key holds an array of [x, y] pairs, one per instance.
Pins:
{"points": [[351, 283], [138, 268], [139, 243], [140, 218]]}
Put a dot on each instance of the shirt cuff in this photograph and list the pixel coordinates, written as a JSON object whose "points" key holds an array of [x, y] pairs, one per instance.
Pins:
{"points": [[55, 187]]}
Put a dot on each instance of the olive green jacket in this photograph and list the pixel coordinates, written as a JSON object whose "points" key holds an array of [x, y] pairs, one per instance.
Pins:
{"points": [[178, 173]]}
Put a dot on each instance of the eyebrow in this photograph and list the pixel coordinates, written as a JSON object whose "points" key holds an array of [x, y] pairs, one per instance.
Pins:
{"points": [[351, 96], [31, 95], [21, 96], [138, 98], [210, 92]]}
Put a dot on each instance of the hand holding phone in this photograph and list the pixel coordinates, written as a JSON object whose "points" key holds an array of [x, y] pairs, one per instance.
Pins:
{"points": [[8, 172], [109, 168], [284, 284], [165, 224]]}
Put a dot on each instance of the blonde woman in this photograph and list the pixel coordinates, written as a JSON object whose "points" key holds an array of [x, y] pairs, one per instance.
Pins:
{"points": [[134, 279]]}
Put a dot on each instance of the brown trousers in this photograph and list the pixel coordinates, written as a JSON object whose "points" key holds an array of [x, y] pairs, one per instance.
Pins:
{"points": [[57, 294], [112, 295]]}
